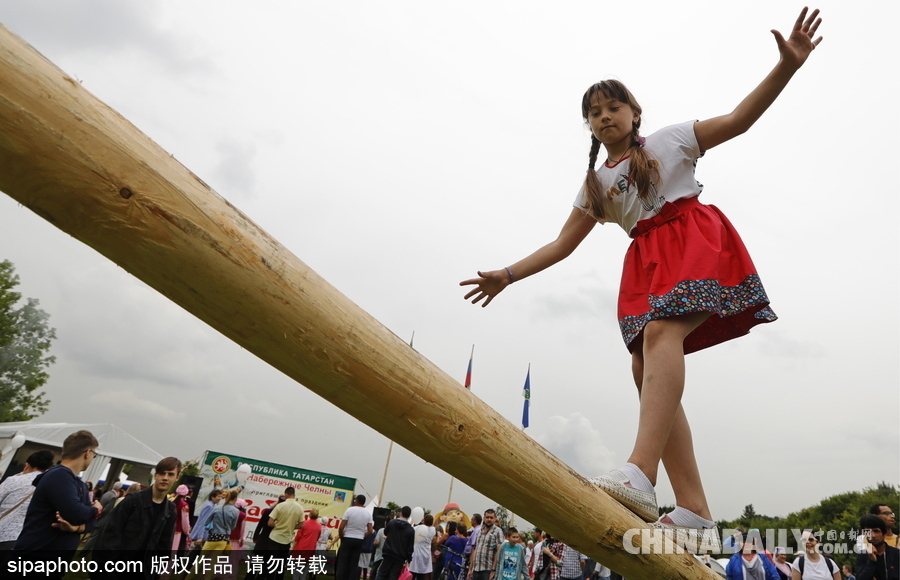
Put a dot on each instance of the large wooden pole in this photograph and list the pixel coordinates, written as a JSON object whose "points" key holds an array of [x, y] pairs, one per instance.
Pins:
{"points": [[85, 169]]}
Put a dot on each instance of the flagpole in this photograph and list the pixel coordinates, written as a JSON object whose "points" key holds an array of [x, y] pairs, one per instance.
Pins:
{"points": [[526, 393], [467, 384], [384, 477], [390, 448]]}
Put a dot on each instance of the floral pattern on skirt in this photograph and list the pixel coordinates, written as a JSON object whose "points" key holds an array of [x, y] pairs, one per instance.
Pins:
{"points": [[735, 309]]}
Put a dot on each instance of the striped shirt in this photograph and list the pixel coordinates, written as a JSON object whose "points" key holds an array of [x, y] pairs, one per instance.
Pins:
{"points": [[570, 565], [490, 538]]}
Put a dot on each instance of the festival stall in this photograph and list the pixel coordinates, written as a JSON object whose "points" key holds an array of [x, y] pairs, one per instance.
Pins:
{"points": [[261, 483], [117, 448]]}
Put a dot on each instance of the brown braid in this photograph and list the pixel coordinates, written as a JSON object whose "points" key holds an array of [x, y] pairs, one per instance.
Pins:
{"points": [[592, 182], [643, 168]]}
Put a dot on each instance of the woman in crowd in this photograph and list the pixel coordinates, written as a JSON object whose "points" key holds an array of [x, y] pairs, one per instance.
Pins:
{"points": [[421, 565]]}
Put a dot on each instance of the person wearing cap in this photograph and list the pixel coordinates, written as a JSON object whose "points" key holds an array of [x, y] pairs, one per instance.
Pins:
{"points": [[781, 563], [182, 518], [143, 524]]}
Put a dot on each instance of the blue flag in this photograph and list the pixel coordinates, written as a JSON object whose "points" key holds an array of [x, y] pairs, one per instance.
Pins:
{"points": [[526, 392]]}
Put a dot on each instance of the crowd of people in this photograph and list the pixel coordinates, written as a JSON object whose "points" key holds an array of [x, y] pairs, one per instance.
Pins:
{"points": [[876, 548], [47, 511]]}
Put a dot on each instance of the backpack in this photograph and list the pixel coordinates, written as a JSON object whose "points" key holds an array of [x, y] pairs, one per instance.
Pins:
{"points": [[368, 545], [827, 561]]}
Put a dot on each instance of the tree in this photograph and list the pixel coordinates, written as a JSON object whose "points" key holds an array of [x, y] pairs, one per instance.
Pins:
{"points": [[25, 338], [838, 515], [502, 516], [191, 468]]}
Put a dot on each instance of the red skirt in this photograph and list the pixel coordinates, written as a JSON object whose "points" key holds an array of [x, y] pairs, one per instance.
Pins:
{"points": [[688, 259]]}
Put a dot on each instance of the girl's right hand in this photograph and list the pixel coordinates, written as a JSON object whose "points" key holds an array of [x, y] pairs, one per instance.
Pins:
{"points": [[487, 285]]}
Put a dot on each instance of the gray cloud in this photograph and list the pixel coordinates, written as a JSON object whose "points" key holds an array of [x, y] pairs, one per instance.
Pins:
{"points": [[101, 27], [575, 440], [234, 173], [126, 401]]}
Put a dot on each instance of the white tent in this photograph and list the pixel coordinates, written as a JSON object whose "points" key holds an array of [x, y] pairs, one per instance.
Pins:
{"points": [[18, 440]]}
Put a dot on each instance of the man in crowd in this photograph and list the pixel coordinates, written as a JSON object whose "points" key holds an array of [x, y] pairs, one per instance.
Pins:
{"points": [[887, 514], [60, 509], [356, 525], [572, 565], [305, 542], [399, 537], [473, 537], [877, 559], [143, 524], [262, 531], [108, 499], [535, 559], [284, 520], [15, 495], [490, 539]]}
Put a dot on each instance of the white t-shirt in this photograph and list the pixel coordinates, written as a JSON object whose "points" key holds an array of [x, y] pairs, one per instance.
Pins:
{"points": [[536, 551], [815, 570], [675, 148], [357, 518]]}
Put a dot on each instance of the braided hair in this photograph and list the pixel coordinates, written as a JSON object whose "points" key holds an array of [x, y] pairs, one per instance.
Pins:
{"points": [[643, 168]]}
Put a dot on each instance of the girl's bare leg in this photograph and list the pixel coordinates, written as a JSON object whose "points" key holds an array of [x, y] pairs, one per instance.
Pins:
{"points": [[663, 430]]}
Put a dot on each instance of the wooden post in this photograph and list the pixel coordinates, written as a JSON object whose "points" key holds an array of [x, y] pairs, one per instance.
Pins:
{"points": [[88, 171]]}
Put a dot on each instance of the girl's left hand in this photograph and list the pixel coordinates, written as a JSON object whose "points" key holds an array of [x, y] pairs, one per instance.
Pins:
{"points": [[795, 50], [487, 285]]}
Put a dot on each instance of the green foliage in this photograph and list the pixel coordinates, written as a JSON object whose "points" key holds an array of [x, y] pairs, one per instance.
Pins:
{"points": [[191, 468], [25, 338], [392, 506], [502, 516], [665, 509], [838, 514]]}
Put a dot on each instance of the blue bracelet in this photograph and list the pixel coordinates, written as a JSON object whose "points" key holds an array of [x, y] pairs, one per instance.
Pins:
{"points": [[511, 277]]}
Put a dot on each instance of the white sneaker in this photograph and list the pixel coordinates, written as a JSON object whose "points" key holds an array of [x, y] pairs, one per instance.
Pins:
{"points": [[617, 485], [694, 540]]}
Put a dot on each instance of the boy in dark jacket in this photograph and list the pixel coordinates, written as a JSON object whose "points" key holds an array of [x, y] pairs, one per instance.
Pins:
{"points": [[399, 538], [142, 525], [60, 509]]}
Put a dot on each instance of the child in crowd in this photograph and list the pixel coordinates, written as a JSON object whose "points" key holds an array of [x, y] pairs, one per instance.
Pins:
{"points": [[510, 562]]}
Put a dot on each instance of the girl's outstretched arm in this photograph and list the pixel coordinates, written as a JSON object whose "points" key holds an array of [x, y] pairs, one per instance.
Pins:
{"points": [[794, 51], [489, 284]]}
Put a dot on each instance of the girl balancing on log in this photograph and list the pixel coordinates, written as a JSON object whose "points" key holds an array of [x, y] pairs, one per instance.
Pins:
{"points": [[688, 282]]}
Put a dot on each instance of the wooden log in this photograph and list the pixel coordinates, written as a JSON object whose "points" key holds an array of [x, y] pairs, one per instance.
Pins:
{"points": [[77, 163]]}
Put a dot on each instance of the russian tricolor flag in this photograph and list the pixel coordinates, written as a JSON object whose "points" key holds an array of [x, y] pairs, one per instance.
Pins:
{"points": [[469, 370]]}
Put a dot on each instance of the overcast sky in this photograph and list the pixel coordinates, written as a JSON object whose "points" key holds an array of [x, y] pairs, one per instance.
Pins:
{"points": [[396, 147]]}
